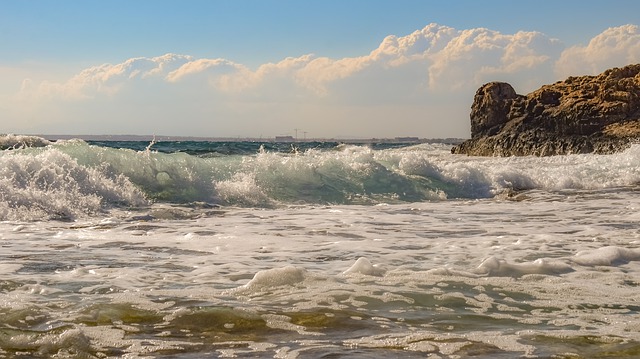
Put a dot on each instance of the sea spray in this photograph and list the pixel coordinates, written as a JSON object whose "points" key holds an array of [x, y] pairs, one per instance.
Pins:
{"points": [[350, 175], [271, 274], [50, 184], [14, 142], [344, 174]]}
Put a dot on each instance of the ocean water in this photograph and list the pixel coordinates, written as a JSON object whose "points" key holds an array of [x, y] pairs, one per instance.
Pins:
{"points": [[315, 250]]}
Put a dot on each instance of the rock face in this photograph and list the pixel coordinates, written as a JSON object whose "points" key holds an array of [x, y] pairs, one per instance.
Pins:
{"points": [[585, 114]]}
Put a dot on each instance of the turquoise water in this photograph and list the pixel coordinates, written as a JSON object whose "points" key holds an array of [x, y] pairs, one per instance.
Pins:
{"points": [[221, 148]]}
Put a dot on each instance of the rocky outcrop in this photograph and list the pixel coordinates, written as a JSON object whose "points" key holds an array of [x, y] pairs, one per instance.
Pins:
{"points": [[585, 114]]}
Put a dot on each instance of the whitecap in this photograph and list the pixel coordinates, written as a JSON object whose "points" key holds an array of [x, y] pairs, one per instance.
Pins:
{"points": [[606, 256], [499, 267], [276, 277], [364, 266], [21, 141]]}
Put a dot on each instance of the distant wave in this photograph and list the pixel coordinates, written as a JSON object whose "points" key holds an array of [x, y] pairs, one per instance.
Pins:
{"points": [[21, 141]]}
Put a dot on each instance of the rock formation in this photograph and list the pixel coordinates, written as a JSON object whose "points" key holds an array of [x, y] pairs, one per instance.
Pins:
{"points": [[599, 114]]}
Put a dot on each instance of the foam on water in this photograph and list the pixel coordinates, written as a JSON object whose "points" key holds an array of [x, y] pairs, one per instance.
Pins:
{"points": [[476, 177], [364, 266], [500, 267], [51, 185], [486, 278], [606, 256], [20, 141], [285, 276], [298, 263], [346, 175], [356, 174]]}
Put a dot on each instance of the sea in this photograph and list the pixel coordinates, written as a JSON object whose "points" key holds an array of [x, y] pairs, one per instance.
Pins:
{"points": [[239, 249]]}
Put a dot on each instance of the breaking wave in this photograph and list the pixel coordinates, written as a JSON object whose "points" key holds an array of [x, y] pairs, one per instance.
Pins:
{"points": [[68, 179]]}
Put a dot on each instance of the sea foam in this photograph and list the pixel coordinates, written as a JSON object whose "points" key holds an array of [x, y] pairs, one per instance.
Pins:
{"points": [[50, 184], [348, 174], [364, 266], [499, 267], [276, 277], [606, 256], [21, 141]]}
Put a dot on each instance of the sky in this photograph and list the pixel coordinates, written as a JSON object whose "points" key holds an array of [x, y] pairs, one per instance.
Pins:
{"points": [[265, 68]]}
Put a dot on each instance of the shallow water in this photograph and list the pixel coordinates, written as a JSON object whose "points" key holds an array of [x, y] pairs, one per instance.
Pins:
{"points": [[550, 275], [339, 251]]}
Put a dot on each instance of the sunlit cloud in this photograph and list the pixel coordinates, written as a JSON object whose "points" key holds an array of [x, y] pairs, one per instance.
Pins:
{"points": [[476, 56], [105, 79], [200, 66], [436, 67], [451, 59], [614, 47]]}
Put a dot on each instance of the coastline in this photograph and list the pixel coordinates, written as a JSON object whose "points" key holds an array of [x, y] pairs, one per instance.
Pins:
{"points": [[452, 141]]}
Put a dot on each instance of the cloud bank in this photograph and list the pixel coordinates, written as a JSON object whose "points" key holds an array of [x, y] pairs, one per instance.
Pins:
{"points": [[420, 84], [614, 47]]}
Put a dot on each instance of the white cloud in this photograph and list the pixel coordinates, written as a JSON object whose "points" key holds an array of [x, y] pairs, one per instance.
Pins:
{"points": [[105, 79], [393, 52], [430, 40], [480, 55], [437, 67], [614, 47], [195, 67], [451, 59], [276, 76]]}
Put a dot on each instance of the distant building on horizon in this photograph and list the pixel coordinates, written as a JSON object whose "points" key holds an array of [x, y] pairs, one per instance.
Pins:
{"points": [[285, 139], [407, 139]]}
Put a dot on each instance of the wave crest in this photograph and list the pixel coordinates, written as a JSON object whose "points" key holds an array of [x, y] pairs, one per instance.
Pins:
{"points": [[21, 141], [51, 184], [72, 178]]}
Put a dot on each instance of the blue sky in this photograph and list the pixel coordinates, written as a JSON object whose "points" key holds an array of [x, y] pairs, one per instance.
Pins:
{"points": [[261, 68]]}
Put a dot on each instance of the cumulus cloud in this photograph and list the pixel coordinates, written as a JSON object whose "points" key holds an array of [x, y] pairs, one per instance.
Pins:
{"points": [[476, 56], [435, 67], [451, 59], [200, 66], [392, 53], [105, 79], [614, 47], [277, 76]]}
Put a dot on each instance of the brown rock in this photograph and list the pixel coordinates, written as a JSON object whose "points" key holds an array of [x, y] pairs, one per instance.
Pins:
{"points": [[491, 107], [579, 115]]}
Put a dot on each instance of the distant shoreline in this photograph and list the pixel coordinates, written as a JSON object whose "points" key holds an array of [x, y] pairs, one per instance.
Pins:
{"points": [[150, 138]]}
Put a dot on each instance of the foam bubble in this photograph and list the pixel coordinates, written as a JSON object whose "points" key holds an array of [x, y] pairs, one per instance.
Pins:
{"points": [[606, 256], [276, 277], [500, 267], [364, 266]]}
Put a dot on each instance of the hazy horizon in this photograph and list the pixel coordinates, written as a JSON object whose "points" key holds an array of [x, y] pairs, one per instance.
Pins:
{"points": [[285, 138], [336, 69]]}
